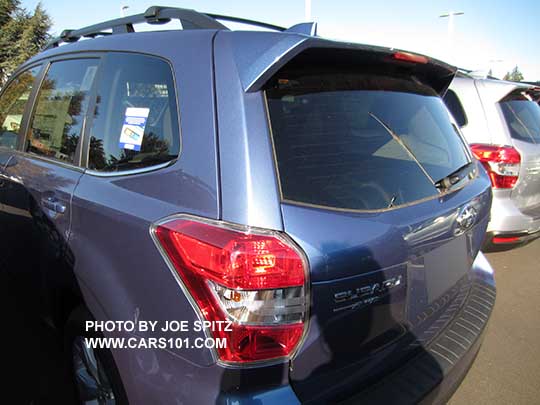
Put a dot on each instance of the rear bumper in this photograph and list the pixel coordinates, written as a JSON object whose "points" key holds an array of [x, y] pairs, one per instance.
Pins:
{"points": [[509, 225], [507, 218], [434, 375], [496, 240]]}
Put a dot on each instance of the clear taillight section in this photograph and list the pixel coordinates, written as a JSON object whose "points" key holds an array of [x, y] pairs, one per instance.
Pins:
{"points": [[255, 279], [501, 162]]}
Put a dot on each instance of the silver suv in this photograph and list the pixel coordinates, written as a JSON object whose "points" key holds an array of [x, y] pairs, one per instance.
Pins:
{"points": [[501, 122]]}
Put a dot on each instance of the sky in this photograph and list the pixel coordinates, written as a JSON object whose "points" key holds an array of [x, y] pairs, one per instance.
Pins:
{"points": [[491, 34]]}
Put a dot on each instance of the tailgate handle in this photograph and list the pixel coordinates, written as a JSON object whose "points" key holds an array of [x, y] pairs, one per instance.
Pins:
{"points": [[53, 204]]}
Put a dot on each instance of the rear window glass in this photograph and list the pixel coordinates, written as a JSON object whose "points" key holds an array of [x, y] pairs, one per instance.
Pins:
{"points": [[135, 121], [60, 108], [355, 141], [522, 116], [454, 105]]}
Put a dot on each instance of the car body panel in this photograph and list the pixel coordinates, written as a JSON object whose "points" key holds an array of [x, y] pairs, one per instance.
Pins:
{"points": [[526, 193]]}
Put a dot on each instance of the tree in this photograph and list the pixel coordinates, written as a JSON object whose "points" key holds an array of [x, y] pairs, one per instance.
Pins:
{"points": [[22, 35], [515, 75], [7, 7]]}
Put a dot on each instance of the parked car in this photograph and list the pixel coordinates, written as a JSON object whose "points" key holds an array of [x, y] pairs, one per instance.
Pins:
{"points": [[501, 122], [315, 194]]}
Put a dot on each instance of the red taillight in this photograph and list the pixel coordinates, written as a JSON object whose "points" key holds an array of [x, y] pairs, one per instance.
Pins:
{"points": [[501, 162], [257, 280], [501, 240], [410, 57]]}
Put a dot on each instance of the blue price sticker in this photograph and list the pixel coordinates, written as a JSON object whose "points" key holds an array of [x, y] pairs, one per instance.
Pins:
{"points": [[132, 133]]}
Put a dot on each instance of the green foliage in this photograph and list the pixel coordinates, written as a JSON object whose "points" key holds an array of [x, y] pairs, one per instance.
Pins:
{"points": [[22, 35], [7, 7], [515, 75]]}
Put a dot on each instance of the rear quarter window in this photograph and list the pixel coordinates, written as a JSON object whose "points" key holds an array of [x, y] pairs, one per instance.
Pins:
{"points": [[522, 116], [135, 121], [360, 142], [454, 105]]}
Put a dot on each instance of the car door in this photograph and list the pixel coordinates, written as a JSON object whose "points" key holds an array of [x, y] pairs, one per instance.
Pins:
{"points": [[14, 105], [44, 174]]}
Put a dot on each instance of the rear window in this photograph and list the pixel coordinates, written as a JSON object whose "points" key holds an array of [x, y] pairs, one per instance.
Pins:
{"points": [[60, 108], [522, 116], [12, 105], [135, 123], [361, 142]]}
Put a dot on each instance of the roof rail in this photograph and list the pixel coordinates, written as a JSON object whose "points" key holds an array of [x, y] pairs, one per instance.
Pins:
{"points": [[190, 19]]}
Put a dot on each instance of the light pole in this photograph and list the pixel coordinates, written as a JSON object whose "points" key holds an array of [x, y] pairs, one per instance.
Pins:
{"points": [[450, 15], [307, 10], [123, 10]]}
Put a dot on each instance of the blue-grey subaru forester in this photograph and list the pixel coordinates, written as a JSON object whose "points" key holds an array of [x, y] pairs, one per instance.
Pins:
{"points": [[310, 203]]}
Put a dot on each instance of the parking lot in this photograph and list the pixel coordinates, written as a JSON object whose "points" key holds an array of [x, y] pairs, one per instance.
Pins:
{"points": [[507, 369]]}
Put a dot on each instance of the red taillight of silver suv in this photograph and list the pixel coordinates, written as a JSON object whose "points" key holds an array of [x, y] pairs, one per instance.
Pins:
{"points": [[501, 162], [255, 279]]}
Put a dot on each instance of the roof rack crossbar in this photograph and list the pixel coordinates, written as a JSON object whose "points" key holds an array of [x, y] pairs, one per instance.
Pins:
{"points": [[190, 20]]}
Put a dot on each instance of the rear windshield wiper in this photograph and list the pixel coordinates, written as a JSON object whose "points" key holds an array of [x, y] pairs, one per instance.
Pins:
{"points": [[403, 145], [453, 178]]}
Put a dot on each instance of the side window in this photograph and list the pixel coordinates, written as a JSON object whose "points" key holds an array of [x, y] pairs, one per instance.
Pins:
{"points": [[454, 105], [60, 109], [12, 105], [135, 122]]}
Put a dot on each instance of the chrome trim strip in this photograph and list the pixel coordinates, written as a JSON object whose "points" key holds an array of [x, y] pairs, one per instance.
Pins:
{"points": [[130, 172], [30, 155]]}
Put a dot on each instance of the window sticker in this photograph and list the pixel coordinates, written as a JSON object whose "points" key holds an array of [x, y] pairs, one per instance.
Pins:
{"points": [[133, 128]]}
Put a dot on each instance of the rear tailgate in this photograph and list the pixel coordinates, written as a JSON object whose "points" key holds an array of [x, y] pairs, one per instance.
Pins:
{"points": [[359, 141]]}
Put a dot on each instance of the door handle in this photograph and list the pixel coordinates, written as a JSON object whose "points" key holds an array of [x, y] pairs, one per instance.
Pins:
{"points": [[53, 204]]}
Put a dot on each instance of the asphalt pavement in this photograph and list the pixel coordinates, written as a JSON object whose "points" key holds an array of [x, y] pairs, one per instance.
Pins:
{"points": [[507, 369]]}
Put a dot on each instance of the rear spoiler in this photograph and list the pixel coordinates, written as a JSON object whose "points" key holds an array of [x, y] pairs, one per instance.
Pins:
{"points": [[259, 56]]}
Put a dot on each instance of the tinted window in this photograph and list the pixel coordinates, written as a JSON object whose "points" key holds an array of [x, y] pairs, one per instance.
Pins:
{"points": [[360, 142], [12, 104], [454, 105], [135, 123], [522, 117], [60, 109]]}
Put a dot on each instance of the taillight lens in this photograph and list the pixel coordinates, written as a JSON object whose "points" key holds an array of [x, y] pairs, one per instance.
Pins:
{"points": [[409, 57], [501, 240], [257, 280], [501, 162]]}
